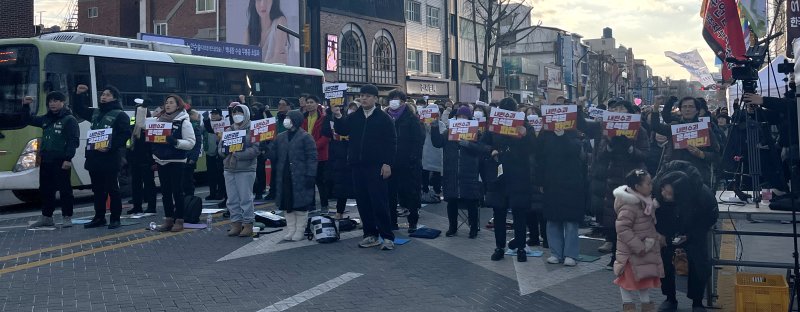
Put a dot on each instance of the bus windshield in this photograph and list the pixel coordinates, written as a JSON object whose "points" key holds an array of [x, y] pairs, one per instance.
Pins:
{"points": [[19, 77]]}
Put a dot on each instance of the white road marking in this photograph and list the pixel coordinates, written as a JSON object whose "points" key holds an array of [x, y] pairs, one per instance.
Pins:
{"points": [[320, 289]]}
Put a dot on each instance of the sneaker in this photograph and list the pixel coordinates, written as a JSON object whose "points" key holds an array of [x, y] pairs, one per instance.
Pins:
{"points": [[134, 211], [522, 256], [570, 262], [450, 233], [498, 254], [698, 309], [402, 212], [412, 228], [369, 242], [43, 221], [67, 222], [387, 245], [473, 233], [669, 306], [553, 260], [605, 247]]}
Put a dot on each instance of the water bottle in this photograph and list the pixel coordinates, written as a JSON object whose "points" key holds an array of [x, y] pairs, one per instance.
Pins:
{"points": [[209, 222], [766, 196], [153, 226]]}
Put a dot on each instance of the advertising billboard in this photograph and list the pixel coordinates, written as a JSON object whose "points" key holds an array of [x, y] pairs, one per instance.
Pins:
{"points": [[254, 22]]}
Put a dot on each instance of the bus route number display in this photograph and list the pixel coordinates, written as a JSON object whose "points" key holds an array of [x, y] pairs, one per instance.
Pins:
{"points": [[694, 134], [506, 122], [559, 117]]}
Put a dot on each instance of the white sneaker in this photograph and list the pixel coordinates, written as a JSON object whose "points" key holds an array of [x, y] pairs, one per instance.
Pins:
{"points": [[553, 260], [387, 245], [369, 241], [570, 262]]}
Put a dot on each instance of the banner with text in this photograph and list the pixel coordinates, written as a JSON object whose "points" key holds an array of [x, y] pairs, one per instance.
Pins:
{"points": [[462, 129], [157, 132], [595, 113], [220, 126], [536, 122], [263, 130], [722, 31], [560, 117], [98, 139], [621, 124], [334, 93], [506, 122], [233, 141], [429, 114], [691, 134]]}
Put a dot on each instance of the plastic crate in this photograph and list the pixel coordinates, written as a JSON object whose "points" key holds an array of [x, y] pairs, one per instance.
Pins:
{"points": [[761, 293]]}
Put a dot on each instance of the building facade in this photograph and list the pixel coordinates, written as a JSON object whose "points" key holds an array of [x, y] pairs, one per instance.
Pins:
{"points": [[16, 18], [370, 37], [426, 54], [178, 18]]}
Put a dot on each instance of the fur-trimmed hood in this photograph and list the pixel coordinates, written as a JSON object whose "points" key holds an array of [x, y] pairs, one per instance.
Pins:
{"points": [[624, 196]]}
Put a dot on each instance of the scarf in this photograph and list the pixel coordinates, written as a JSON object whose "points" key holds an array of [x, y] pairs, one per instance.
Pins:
{"points": [[168, 117], [396, 113], [650, 204]]}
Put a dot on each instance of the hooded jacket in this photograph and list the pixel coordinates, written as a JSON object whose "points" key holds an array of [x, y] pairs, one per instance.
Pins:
{"points": [[110, 160], [296, 151], [694, 209], [373, 140], [68, 129], [244, 160], [164, 153], [634, 227]]}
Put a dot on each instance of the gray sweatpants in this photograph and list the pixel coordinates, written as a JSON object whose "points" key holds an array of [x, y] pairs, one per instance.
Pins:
{"points": [[239, 186]]}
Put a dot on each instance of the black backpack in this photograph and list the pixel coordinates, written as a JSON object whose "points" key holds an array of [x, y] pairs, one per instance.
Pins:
{"points": [[193, 208]]}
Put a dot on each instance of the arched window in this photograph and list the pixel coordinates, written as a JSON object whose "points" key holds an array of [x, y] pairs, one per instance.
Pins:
{"points": [[384, 58], [352, 54]]}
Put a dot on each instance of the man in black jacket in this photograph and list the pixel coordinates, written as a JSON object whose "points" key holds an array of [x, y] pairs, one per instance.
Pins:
{"points": [[371, 152], [688, 212], [140, 164], [60, 139], [403, 185], [104, 164]]}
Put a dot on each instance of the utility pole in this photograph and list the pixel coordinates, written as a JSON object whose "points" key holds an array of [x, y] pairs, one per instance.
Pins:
{"points": [[40, 17]]}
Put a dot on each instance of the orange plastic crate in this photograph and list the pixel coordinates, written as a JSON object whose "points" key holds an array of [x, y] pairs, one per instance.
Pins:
{"points": [[761, 293]]}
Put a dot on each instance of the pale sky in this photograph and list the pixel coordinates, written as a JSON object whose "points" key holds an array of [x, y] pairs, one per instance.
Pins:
{"points": [[650, 27]]}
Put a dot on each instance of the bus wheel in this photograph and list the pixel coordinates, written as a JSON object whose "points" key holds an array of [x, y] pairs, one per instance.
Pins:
{"points": [[28, 196]]}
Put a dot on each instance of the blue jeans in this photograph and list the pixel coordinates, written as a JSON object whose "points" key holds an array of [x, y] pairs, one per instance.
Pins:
{"points": [[240, 196], [563, 239]]}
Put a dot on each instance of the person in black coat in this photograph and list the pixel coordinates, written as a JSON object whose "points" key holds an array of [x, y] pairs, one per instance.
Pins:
{"points": [[140, 165], [509, 188], [403, 185], [370, 154], [104, 164], [342, 182], [460, 177], [60, 139], [688, 212]]}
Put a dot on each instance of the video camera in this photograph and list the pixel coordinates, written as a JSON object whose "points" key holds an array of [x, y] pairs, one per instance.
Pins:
{"points": [[747, 71]]}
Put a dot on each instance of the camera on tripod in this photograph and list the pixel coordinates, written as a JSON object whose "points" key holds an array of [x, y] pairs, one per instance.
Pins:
{"points": [[747, 71]]}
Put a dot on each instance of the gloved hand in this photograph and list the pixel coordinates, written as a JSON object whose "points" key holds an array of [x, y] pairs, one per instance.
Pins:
{"points": [[172, 141], [649, 243]]}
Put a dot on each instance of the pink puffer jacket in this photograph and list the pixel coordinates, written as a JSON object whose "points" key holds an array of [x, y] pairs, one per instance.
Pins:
{"points": [[633, 228]]}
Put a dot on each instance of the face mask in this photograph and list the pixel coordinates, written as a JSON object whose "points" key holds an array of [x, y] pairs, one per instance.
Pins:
{"points": [[559, 132], [350, 111], [394, 104], [531, 117], [287, 123], [478, 114], [238, 118]]}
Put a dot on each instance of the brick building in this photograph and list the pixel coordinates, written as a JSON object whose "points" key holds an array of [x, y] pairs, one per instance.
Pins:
{"points": [[371, 38], [16, 18], [177, 18]]}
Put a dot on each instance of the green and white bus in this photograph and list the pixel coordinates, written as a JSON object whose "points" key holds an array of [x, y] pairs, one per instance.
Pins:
{"points": [[32, 67]]}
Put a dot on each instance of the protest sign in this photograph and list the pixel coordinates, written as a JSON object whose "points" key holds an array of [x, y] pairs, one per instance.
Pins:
{"points": [[98, 139], [506, 122], [536, 122], [596, 113], [429, 114], [621, 124], [220, 126], [462, 129], [157, 132], [233, 141], [560, 117], [691, 134], [481, 123], [334, 93], [263, 130]]}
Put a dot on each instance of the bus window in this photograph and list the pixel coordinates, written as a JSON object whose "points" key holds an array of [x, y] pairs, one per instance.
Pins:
{"points": [[64, 72], [19, 81], [236, 82], [201, 80], [164, 78], [123, 74]]}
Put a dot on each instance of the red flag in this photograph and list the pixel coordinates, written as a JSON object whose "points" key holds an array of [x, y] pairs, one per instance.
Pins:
{"points": [[722, 30]]}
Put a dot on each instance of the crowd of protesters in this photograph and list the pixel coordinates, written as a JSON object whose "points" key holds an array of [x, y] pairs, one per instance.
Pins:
{"points": [[379, 152]]}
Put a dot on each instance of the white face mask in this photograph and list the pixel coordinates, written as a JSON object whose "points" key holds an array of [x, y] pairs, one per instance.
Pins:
{"points": [[477, 114], [350, 111], [531, 117], [394, 104], [238, 118], [287, 123]]}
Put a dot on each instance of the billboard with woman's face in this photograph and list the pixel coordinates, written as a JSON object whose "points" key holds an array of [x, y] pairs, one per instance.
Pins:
{"points": [[255, 22]]}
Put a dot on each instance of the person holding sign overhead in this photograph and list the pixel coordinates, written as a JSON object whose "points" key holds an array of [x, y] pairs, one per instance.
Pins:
{"points": [[240, 171], [60, 139], [463, 153], [370, 154], [104, 158], [171, 156], [511, 147]]}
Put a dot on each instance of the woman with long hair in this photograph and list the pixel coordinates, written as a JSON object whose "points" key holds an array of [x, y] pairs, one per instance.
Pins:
{"points": [[171, 157], [264, 16]]}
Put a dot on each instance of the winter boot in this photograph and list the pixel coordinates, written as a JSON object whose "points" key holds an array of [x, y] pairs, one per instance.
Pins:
{"points": [[167, 226], [300, 223], [290, 217], [628, 307], [648, 307], [178, 226], [247, 230], [236, 228]]}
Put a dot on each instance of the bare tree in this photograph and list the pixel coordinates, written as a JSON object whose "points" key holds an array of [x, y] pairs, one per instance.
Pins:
{"points": [[502, 23]]}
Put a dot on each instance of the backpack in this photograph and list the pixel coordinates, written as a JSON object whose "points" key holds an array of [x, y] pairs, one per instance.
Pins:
{"points": [[193, 208], [322, 229], [270, 219], [347, 224]]}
